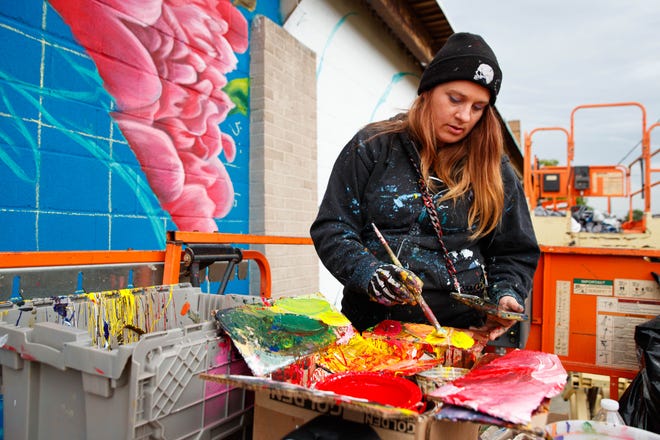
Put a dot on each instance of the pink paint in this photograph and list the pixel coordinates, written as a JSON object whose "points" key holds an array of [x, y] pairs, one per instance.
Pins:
{"points": [[165, 63], [510, 387]]}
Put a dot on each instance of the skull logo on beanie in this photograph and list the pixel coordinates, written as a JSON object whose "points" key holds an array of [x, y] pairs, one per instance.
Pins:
{"points": [[467, 57], [484, 74]]}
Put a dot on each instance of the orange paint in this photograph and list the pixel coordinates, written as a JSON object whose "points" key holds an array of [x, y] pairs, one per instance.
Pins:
{"points": [[185, 308]]}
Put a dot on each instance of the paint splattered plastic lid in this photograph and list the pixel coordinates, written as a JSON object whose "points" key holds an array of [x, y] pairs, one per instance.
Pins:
{"points": [[385, 389], [590, 430]]}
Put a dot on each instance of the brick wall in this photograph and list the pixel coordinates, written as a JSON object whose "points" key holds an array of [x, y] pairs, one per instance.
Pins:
{"points": [[283, 140]]}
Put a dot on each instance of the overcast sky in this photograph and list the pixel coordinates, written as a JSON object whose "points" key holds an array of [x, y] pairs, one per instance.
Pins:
{"points": [[556, 55]]}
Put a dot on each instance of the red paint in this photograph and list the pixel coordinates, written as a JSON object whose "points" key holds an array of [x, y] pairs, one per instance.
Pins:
{"points": [[388, 328], [101, 372], [385, 389]]}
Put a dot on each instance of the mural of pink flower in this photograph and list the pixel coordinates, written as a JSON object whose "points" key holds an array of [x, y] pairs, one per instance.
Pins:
{"points": [[165, 63]]}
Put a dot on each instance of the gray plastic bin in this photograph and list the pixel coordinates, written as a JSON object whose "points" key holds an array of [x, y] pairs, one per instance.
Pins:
{"points": [[58, 384]]}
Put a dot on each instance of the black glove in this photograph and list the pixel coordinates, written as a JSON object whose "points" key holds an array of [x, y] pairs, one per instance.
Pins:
{"points": [[393, 285]]}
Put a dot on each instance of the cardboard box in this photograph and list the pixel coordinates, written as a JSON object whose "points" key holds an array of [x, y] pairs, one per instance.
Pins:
{"points": [[282, 407], [277, 415]]}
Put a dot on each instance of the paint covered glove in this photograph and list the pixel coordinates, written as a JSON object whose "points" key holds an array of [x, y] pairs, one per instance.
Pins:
{"points": [[393, 285]]}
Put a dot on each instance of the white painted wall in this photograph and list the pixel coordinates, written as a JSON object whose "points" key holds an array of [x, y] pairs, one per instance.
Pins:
{"points": [[363, 75]]}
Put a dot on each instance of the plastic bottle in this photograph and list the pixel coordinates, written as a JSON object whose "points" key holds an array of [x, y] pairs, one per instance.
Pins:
{"points": [[609, 412]]}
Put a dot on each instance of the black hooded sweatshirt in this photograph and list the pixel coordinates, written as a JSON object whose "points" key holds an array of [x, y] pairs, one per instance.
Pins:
{"points": [[373, 180]]}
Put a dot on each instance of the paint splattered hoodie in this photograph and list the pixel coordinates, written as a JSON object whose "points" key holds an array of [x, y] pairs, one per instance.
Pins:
{"points": [[373, 180]]}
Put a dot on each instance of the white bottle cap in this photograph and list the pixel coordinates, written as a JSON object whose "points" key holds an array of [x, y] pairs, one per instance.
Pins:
{"points": [[609, 404]]}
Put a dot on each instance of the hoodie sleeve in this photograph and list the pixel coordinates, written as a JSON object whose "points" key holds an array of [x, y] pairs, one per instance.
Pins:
{"points": [[511, 251], [336, 232]]}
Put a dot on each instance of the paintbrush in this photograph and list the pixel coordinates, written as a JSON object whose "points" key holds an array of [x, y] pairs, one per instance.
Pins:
{"points": [[420, 300]]}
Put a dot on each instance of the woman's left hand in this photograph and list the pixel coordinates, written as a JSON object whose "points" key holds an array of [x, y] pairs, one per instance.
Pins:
{"points": [[496, 326]]}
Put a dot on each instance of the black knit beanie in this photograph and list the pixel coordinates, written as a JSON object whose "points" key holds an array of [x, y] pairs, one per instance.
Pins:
{"points": [[464, 56]]}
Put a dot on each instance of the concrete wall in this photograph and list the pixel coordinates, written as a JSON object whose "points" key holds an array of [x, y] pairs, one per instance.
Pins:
{"points": [[283, 153]]}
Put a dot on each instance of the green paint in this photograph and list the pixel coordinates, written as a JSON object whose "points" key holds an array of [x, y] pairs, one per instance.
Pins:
{"points": [[588, 428], [297, 324], [237, 90], [304, 306], [262, 330]]}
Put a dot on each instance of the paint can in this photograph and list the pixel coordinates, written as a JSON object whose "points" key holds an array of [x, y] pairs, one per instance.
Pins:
{"points": [[429, 380]]}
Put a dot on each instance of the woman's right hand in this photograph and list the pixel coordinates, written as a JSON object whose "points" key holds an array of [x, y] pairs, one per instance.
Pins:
{"points": [[393, 285]]}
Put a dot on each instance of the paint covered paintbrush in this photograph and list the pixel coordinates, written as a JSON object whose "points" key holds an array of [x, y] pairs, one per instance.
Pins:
{"points": [[418, 296]]}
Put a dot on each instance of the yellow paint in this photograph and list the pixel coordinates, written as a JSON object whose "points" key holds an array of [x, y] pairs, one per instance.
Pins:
{"points": [[455, 338], [359, 354], [117, 309], [436, 338], [302, 305], [334, 318], [461, 340], [313, 307]]}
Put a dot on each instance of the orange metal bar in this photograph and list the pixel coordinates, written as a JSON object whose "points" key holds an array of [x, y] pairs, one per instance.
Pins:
{"points": [[645, 142], [527, 158], [176, 240], [651, 155], [173, 256], [216, 237], [76, 258], [622, 252], [265, 282]]}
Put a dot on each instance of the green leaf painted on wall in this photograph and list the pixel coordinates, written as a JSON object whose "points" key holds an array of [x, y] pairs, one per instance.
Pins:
{"points": [[250, 5], [237, 89]]}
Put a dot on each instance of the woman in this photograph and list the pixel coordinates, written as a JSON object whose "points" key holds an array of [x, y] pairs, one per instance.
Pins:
{"points": [[450, 141]]}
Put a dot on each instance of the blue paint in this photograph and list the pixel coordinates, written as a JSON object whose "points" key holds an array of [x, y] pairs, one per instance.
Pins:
{"points": [[328, 41], [75, 183], [398, 201], [396, 78]]}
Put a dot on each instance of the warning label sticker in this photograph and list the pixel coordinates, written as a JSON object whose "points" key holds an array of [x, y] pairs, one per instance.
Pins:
{"points": [[642, 289], [562, 317], [584, 286], [615, 330]]}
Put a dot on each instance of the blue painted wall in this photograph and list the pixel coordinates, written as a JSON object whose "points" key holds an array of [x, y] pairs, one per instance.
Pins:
{"points": [[69, 178]]}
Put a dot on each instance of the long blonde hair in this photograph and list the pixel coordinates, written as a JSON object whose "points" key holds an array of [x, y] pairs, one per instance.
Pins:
{"points": [[474, 163]]}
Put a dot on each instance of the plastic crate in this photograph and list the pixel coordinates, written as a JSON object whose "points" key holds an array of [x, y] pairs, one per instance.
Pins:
{"points": [[61, 382]]}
